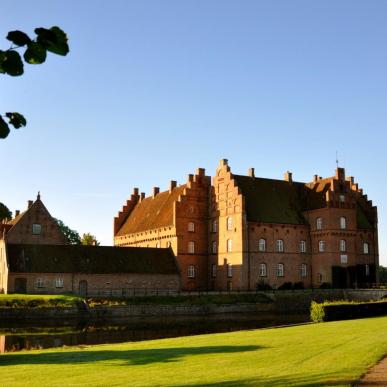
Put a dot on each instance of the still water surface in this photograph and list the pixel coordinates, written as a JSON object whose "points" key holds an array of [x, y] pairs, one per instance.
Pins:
{"points": [[68, 333]]}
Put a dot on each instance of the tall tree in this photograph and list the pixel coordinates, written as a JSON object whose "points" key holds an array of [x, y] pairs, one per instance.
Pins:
{"points": [[11, 63], [72, 235], [89, 240], [5, 213]]}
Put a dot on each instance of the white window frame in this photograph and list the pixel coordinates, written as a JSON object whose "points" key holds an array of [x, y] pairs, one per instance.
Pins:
{"points": [[229, 245], [302, 246], [344, 258], [366, 248], [40, 283], [191, 247], [321, 246], [262, 245], [36, 229], [262, 270], [229, 270], [191, 271], [279, 245], [280, 270], [59, 282], [191, 227], [214, 247], [343, 223], [304, 270], [229, 223], [343, 245], [319, 223]]}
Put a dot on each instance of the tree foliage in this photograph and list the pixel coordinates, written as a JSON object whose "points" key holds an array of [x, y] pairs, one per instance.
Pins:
{"points": [[89, 240], [382, 274], [5, 213], [72, 235], [53, 40]]}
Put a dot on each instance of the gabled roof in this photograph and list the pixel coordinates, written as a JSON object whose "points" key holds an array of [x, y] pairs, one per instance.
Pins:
{"points": [[24, 258], [152, 212]]}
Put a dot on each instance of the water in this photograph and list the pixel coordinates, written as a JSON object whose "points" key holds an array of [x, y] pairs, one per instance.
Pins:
{"points": [[69, 333]]}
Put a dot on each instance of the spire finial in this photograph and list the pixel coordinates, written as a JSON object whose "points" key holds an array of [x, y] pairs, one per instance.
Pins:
{"points": [[38, 197], [337, 160]]}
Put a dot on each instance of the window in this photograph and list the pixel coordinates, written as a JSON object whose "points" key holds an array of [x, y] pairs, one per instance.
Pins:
{"points": [[320, 278], [262, 245], [59, 282], [367, 270], [213, 271], [343, 245], [280, 270], [215, 226], [229, 223], [214, 247], [366, 248], [302, 247], [191, 247], [191, 227], [229, 270], [39, 283], [229, 245], [36, 229], [262, 270], [303, 270], [169, 244], [342, 198], [191, 271], [279, 245], [344, 258], [321, 246], [343, 223], [319, 223], [158, 245]]}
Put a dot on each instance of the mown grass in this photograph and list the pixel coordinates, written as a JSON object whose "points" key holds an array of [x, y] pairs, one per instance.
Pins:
{"points": [[335, 353]]}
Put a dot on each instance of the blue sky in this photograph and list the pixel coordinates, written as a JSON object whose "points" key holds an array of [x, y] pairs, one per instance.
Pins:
{"points": [[151, 90]]}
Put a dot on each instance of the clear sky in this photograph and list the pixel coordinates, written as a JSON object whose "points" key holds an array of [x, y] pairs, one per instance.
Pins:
{"points": [[151, 90]]}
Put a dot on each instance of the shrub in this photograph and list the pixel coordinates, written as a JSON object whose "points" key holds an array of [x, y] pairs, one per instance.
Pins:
{"points": [[286, 286], [298, 285], [317, 312], [325, 285], [262, 285]]}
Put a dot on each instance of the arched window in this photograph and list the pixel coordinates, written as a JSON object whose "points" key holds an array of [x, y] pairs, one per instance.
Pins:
{"points": [[229, 223], [303, 270], [262, 270], [279, 245], [191, 227], [319, 223], [321, 246], [214, 247], [366, 248], [302, 247], [215, 226], [262, 245], [343, 223], [191, 271], [229, 245], [280, 270], [343, 245], [191, 247]]}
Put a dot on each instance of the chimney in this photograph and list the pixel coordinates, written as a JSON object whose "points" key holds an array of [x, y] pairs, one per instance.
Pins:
{"points": [[172, 185], [29, 204], [142, 196], [223, 162], [17, 213], [135, 191], [200, 172], [340, 173], [251, 172], [190, 177], [156, 190], [315, 178], [288, 177]]}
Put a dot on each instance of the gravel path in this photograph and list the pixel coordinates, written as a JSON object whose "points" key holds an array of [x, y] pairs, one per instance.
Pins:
{"points": [[376, 376]]}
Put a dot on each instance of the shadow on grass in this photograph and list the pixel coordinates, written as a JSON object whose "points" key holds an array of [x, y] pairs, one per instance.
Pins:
{"points": [[130, 357]]}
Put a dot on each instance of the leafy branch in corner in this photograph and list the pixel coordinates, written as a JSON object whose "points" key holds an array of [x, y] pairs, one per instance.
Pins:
{"points": [[53, 40]]}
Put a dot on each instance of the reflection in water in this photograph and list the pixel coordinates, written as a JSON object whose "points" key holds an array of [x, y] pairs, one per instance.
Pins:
{"points": [[53, 334]]}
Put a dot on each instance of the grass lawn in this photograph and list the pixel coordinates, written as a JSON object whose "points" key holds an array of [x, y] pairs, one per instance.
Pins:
{"points": [[333, 353]]}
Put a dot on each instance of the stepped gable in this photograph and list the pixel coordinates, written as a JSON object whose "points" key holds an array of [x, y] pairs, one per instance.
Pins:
{"points": [[24, 258], [152, 212]]}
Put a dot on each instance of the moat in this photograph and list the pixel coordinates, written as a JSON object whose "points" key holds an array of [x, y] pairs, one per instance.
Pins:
{"points": [[30, 336]]}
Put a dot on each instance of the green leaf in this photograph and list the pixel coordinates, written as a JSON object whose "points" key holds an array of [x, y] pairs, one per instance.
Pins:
{"points": [[16, 119], [4, 129], [12, 64], [2, 57], [54, 40], [35, 53], [18, 37]]}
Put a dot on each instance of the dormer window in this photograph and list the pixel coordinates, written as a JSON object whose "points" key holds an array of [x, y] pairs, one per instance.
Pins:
{"points": [[36, 229], [319, 223]]}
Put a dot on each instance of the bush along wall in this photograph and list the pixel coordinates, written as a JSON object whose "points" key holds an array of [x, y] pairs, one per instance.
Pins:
{"points": [[345, 310]]}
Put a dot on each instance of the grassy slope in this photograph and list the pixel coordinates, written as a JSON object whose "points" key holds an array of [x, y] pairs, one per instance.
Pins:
{"points": [[335, 353]]}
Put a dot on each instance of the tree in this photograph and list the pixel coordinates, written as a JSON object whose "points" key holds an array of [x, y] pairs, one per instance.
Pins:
{"points": [[382, 274], [89, 240], [72, 235], [5, 213], [53, 40]]}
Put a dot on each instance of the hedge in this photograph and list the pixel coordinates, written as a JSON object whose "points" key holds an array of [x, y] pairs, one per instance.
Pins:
{"points": [[346, 310]]}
